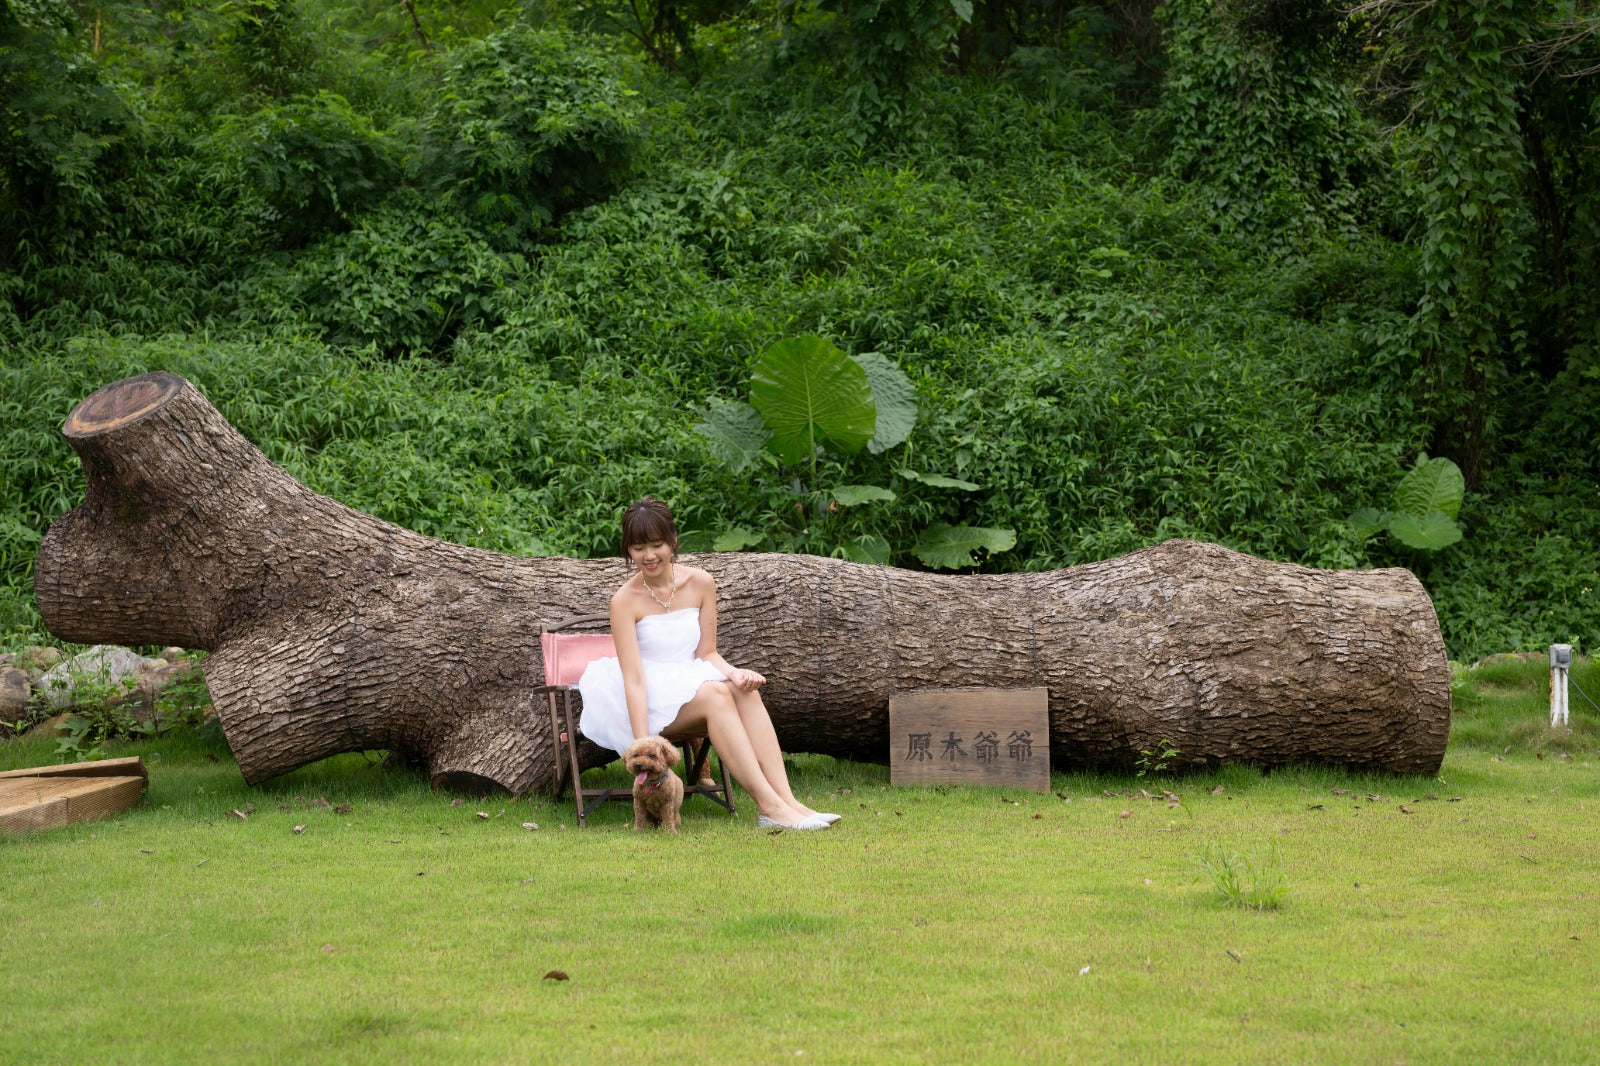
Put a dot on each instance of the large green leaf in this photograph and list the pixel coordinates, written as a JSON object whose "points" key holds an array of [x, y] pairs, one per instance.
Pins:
{"points": [[939, 481], [735, 432], [855, 495], [808, 390], [1432, 485], [869, 548], [1431, 532], [1367, 521], [946, 547], [895, 398], [736, 539]]}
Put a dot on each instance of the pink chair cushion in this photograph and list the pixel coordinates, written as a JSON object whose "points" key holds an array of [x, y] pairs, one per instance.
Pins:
{"points": [[566, 654]]}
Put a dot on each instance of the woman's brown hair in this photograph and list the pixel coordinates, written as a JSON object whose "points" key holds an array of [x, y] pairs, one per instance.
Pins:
{"points": [[648, 520]]}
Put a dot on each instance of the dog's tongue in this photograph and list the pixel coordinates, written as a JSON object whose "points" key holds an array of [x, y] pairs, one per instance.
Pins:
{"points": [[640, 779]]}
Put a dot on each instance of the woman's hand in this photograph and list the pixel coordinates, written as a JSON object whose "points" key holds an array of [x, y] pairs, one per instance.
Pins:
{"points": [[746, 680]]}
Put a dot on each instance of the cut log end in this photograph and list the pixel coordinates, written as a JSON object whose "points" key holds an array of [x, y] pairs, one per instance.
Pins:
{"points": [[120, 403]]}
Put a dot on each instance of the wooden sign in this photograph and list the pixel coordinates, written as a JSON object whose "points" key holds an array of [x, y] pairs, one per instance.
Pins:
{"points": [[971, 736]]}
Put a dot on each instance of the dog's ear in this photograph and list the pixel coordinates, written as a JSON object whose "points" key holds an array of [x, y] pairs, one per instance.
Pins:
{"points": [[671, 754]]}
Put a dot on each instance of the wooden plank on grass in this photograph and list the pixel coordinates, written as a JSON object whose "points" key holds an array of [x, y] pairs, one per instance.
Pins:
{"points": [[45, 803], [971, 736], [129, 767], [44, 797]]}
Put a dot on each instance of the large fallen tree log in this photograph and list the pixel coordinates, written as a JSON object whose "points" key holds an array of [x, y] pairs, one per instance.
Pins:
{"points": [[333, 631]]}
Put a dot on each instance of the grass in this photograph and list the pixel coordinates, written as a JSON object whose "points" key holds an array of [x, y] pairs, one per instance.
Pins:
{"points": [[1427, 919]]}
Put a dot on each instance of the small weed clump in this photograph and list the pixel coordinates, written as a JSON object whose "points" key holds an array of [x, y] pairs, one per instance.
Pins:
{"points": [[1252, 882]]}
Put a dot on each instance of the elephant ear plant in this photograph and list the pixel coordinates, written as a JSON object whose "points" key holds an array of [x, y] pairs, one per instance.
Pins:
{"points": [[1426, 503], [811, 408]]}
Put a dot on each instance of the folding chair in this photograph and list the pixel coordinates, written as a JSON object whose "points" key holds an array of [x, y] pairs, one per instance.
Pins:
{"points": [[565, 656]]}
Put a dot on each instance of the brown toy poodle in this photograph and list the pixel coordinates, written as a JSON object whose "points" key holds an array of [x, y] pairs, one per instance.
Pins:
{"points": [[657, 791]]}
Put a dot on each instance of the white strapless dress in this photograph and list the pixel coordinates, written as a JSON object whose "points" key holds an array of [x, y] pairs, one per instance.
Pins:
{"points": [[672, 676]]}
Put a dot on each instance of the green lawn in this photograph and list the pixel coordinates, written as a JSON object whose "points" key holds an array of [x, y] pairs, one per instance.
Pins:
{"points": [[1428, 919]]}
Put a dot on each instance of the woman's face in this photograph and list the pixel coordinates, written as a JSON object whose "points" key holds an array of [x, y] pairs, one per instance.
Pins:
{"points": [[651, 557]]}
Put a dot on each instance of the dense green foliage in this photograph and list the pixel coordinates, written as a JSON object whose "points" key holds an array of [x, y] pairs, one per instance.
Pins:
{"points": [[483, 274]]}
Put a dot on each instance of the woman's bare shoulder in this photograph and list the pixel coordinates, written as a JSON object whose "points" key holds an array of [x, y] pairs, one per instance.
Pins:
{"points": [[626, 600]]}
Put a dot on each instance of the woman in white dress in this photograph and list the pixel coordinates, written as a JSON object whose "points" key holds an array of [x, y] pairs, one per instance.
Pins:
{"points": [[667, 678]]}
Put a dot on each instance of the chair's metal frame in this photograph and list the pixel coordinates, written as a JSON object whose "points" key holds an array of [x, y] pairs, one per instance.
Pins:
{"points": [[563, 729]]}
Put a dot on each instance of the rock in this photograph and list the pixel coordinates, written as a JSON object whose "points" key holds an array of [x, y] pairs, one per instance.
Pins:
{"points": [[173, 654], [1512, 657], [14, 694], [5, 660], [141, 700], [37, 657], [104, 666], [51, 727]]}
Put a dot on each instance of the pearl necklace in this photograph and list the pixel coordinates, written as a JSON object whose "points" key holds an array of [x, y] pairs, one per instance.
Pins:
{"points": [[672, 586]]}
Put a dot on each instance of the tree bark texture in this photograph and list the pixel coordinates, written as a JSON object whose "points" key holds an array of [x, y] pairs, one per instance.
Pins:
{"points": [[333, 631]]}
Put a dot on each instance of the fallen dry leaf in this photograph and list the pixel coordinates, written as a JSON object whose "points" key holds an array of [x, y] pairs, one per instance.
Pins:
{"points": [[1341, 792], [146, 851], [299, 829], [320, 802], [1313, 806], [457, 802], [530, 825], [483, 814], [1373, 797], [556, 975], [1124, 814], [212, 757], [343, 808], [1404, 809], [327, 947], [243, 817], [1234, 955], [1036, 817], [1219, 790]]}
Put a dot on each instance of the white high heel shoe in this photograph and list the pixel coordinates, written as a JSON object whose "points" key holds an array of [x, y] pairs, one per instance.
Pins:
{"points": [[810, 821]]}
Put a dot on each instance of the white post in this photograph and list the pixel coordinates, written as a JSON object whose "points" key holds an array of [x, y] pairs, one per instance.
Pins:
{"points": [[1560, 663]]}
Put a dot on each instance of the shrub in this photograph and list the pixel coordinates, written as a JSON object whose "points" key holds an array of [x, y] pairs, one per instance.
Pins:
{"points": [[406, 280], [530, 124], [314, 162]]}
